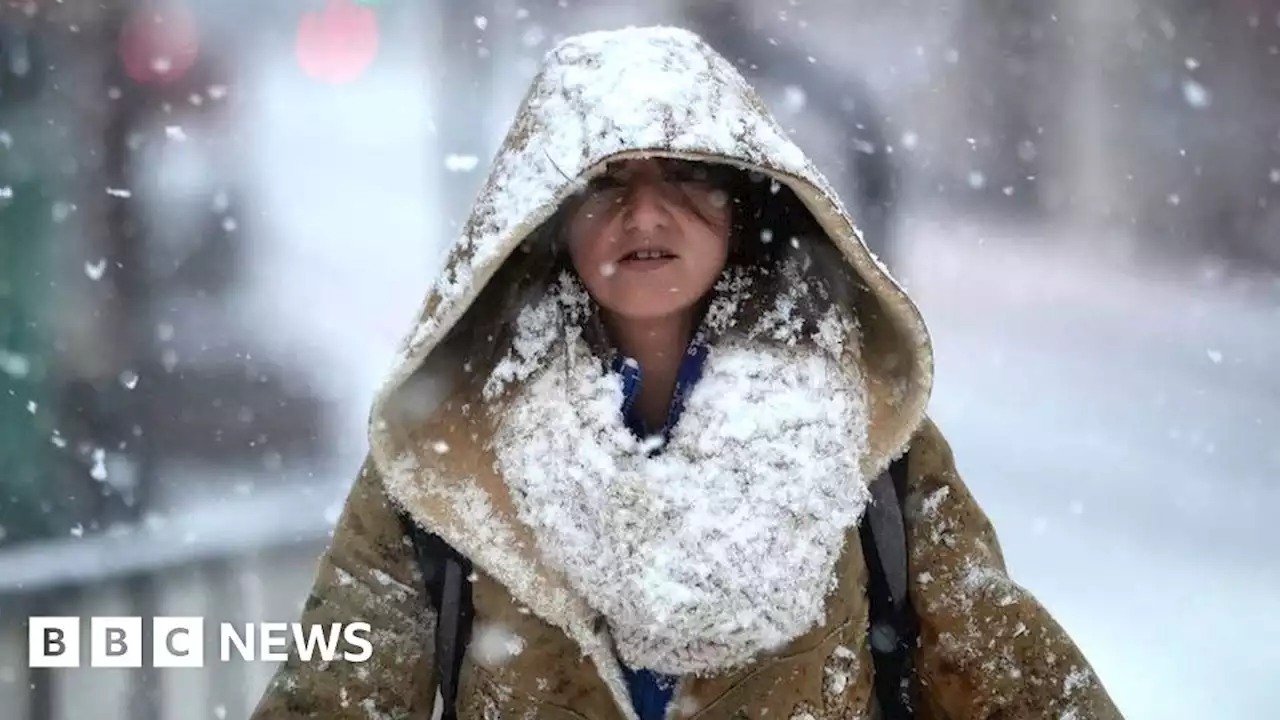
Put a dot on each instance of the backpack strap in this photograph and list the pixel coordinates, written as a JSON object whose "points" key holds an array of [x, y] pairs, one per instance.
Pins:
{"points": [[894, 629], [893, 633], [446, 573]]}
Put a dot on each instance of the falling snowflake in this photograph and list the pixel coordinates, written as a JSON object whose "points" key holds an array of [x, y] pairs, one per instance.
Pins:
{"points": [[495, 645], [99, 470], [795, 98], [14, 365], [1196, 95], [95, 269], [461, 163], [119, 192]]}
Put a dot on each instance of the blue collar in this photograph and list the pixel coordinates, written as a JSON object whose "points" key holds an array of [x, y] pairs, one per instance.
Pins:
{"points": [[687, 376]]}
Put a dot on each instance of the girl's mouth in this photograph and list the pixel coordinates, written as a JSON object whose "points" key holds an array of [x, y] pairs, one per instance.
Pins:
{"points": [[645, 260], [647, 254]]}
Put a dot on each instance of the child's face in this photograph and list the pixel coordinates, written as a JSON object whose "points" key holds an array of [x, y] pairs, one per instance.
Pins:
{"points": [[650, 238]]}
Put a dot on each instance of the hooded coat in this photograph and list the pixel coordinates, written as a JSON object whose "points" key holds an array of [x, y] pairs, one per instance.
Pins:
{"points": [[988, 649]]}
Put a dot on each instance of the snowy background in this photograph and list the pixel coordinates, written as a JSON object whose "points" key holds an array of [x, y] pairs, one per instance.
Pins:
{"points": [[1087, 217]]}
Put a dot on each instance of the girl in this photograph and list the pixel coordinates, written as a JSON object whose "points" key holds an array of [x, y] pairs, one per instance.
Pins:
{"points": [[646, 407]]}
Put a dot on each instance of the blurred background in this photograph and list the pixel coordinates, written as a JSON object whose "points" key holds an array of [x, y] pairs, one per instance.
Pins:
{"points": [[217, 218]]}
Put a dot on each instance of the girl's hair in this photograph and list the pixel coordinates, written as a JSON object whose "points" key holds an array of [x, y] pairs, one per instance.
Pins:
{"points": [[776, 247]]}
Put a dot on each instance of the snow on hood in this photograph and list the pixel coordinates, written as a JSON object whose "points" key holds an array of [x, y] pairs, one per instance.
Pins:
{"points": [[602, 96], [597, 98]]}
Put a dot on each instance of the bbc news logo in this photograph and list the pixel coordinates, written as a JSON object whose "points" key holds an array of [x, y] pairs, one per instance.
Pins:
{"points": [[56, 642]]}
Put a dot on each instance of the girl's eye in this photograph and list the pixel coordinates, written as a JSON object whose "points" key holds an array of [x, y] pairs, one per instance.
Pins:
{"points": [[600, 195], [604, 189]]}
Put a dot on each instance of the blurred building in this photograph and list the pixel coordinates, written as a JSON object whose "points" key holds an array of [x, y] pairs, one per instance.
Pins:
{"points": [[137, 390]]}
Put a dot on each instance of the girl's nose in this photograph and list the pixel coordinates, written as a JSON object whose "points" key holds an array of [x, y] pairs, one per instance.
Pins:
{"points": [[645, 208]]}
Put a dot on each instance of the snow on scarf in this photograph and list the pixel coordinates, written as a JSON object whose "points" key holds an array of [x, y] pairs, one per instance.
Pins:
{"points": [[724, 545]]}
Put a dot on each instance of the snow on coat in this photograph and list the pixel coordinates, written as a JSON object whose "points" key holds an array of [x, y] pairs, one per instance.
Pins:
{"points": [[532, 476]]}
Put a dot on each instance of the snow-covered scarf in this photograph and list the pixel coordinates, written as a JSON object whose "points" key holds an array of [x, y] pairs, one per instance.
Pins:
{"points": [[722, 546]]}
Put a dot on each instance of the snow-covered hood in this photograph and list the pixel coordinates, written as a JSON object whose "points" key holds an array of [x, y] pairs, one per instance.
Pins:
{"points": [[600, 97]]}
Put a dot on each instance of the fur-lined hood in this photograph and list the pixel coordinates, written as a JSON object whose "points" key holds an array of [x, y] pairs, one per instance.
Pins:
{"points": [[601, 97]]}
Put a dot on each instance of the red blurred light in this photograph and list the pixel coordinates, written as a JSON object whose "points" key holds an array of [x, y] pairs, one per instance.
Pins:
{"points": [[159, 43], [338, 43]]}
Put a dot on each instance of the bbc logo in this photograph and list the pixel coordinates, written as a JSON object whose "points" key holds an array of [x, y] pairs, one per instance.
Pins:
{"points": [[54, 642]]}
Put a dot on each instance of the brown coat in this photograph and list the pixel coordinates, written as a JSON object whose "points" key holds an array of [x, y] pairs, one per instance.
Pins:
{"points": [[988, 649]]}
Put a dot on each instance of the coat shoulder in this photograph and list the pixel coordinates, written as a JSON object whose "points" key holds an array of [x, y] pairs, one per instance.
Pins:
{"points": [[989, 648]]}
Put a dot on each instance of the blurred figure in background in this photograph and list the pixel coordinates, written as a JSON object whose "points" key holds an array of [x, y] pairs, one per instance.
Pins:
{"points": [[684, 435], [865, 173]]}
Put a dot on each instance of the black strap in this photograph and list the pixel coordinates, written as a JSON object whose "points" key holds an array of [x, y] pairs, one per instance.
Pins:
{"points": [[446, 573], [893, 628]]}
